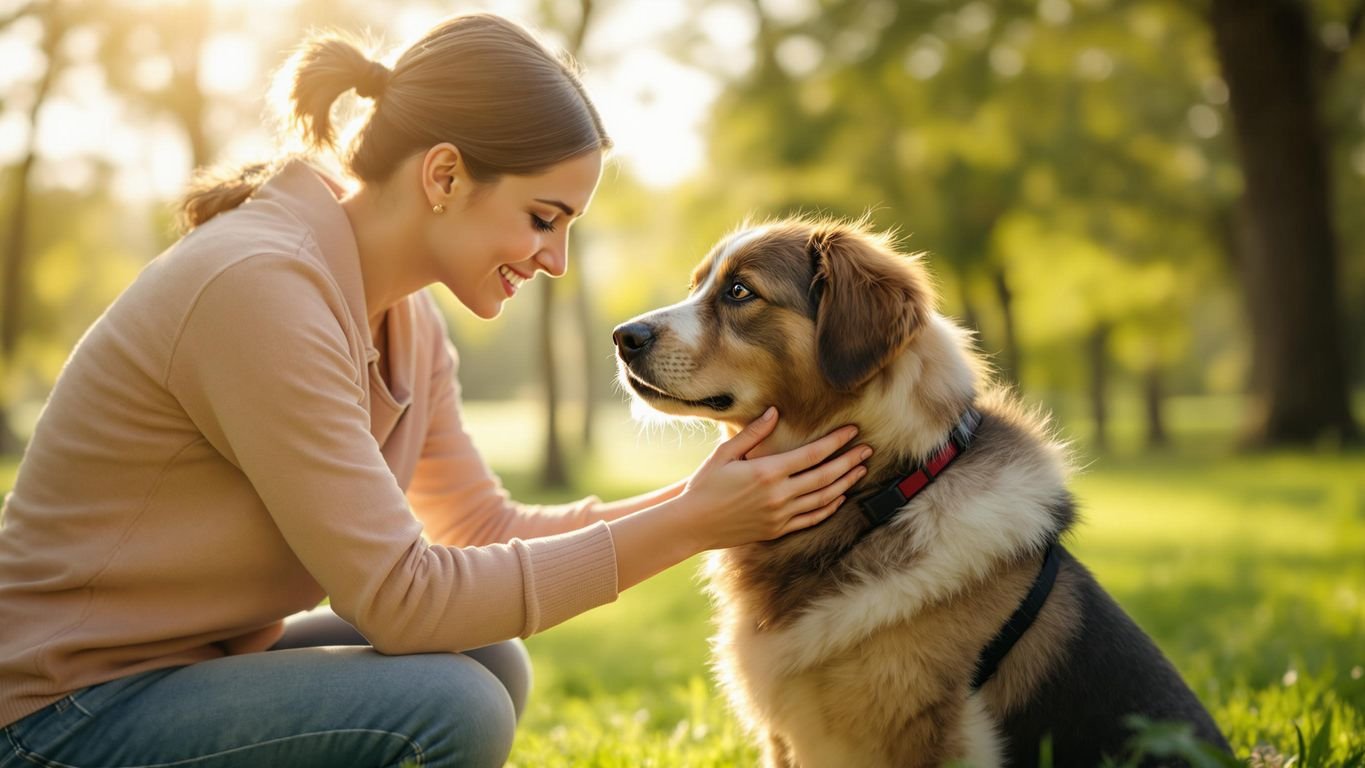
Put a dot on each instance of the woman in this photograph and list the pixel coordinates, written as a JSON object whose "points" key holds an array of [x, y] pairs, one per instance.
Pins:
{"points": [[269, 416]]}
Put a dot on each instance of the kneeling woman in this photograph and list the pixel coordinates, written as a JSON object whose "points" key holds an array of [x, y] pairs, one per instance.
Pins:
{"points": [[269, 415]]}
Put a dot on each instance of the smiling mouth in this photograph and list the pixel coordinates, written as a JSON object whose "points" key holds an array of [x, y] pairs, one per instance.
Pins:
{"points": [[511, 280], [647, 390]]}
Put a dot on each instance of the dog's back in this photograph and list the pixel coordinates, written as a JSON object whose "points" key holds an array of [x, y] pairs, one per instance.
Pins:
{"points": [[1110, 669]]}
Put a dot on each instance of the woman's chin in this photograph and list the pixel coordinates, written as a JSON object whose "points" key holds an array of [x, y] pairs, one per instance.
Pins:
{"points": [[484, 310]]}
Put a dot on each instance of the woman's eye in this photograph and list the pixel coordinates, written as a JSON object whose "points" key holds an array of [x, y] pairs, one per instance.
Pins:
{"points": [[739, 292], [542, 224]]}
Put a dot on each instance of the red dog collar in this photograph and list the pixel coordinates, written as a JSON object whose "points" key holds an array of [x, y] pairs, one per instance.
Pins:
{"points": [[884, 504]]}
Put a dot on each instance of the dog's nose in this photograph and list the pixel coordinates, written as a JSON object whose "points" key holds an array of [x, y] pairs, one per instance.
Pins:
{"points": [[632, 339]]}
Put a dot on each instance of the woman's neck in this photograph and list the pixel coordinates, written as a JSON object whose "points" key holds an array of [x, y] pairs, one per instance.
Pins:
{"points": [[386, 235]]}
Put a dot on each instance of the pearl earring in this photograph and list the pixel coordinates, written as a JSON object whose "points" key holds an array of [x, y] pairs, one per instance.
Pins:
{"points": [[438, 208]]}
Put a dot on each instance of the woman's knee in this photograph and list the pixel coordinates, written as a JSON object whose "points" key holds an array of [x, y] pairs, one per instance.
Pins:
{"points": [[466, 716], [511, 664]]}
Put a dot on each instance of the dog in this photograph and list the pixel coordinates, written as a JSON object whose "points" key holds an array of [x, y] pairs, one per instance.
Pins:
{"points": [[935, 617]]}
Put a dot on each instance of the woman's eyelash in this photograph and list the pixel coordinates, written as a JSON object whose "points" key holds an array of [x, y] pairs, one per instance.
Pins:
{"points": [[542, 224]]}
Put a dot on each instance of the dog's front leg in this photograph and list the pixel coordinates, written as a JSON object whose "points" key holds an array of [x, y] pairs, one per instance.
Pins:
{"points": [[958, 731]]}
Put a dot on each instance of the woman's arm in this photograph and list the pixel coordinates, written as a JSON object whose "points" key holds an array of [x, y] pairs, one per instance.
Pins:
{"points": [[614, 510]]}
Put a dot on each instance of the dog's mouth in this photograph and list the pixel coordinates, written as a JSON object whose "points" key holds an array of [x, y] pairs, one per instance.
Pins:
{"points": [[649, 391]]}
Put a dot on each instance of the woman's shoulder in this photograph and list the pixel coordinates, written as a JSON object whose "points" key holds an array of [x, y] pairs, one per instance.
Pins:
{"points": [[233, 237]]}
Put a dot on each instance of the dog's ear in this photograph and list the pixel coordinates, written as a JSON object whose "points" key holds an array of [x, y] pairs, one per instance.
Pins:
{"points": [[870, 301]]}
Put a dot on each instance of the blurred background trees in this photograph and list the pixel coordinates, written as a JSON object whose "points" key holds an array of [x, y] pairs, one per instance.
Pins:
{"points": [[1129, 201]]}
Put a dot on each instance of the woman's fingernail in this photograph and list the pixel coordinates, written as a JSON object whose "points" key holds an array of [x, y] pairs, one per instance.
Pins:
{"points": [[866, 452], [768, 414]]}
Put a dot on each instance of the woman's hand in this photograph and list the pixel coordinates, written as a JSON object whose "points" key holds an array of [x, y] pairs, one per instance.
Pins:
{"points": [[733, 500]]}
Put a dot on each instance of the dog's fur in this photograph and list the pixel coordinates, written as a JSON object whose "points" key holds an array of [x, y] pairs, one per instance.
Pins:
{"points": [[846, 645]]}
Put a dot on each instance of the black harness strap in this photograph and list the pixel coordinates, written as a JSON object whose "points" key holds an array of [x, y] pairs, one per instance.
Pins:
{"points": [[1019, 622]]}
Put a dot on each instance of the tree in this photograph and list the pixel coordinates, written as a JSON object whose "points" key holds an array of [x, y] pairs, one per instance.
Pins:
{"points": [[554, 471], [952, 119], [56, 19], [1284, 239]]}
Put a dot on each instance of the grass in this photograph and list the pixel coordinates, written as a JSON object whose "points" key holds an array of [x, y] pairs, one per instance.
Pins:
{"points": [[1247, 569]]}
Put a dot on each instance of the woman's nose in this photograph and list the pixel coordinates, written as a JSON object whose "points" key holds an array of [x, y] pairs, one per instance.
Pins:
{"points": [[554, 259]]}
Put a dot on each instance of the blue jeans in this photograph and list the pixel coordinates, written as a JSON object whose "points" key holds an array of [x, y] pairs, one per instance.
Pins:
{"points": [[321, 697]]}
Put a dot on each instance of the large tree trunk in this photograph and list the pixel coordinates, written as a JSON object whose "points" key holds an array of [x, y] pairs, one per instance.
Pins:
{"points": [[15, 278], [1287, 254]]}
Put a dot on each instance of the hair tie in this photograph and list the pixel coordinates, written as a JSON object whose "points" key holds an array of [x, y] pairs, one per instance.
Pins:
{"points": [[374, 80]]}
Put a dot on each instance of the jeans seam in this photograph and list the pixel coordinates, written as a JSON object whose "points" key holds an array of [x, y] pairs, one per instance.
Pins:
{"points": [[24, 754], [38, 759]]}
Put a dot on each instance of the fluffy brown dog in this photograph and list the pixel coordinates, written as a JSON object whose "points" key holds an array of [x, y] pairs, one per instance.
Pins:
{"points": [[872, 640]]}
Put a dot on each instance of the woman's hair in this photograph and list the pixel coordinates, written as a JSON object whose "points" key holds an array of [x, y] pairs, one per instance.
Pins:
{"points": [[477, 81]]}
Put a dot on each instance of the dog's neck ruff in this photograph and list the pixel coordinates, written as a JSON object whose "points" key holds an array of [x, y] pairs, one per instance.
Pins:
{"points": [[883, 505]]}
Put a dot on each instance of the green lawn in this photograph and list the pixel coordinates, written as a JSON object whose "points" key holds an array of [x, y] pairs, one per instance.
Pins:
{"points": [[1248, 570]]}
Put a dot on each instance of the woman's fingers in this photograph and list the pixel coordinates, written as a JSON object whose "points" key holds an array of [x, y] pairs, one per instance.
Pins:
{"points": [[814, 479], [808, 519], [812, 453], [824, 493], [752, 434]]}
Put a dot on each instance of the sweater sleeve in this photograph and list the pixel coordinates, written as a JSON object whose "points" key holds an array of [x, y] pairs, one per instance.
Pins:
{"points": [[456, 495], [264, 368]]}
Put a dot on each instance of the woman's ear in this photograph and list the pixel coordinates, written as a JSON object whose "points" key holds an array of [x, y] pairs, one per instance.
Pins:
{"points": [[443, 170], [872, 301]]}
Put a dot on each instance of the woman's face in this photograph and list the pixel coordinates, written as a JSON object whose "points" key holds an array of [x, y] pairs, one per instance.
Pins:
{"points": [[494, 237]]}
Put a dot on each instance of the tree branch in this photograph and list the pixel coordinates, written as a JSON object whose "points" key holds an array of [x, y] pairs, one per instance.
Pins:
{"points": [[581, 31]]}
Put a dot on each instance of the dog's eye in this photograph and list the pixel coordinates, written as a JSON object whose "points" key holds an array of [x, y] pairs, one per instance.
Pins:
{"points": [[739, 292]]}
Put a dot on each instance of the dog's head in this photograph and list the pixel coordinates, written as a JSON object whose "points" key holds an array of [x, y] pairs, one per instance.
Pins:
{"points": [[800, 313]]}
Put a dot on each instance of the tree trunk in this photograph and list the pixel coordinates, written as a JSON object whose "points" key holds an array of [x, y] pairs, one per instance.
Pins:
{"points": [[583, 312], [1099, 385], [1154, 398], [1287, 254], [15, 283], [970, 316], [552, 472], [1006, 299], [187, 97]]}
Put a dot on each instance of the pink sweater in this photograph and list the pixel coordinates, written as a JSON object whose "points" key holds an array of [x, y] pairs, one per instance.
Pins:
{"points": [[220, 452]]}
